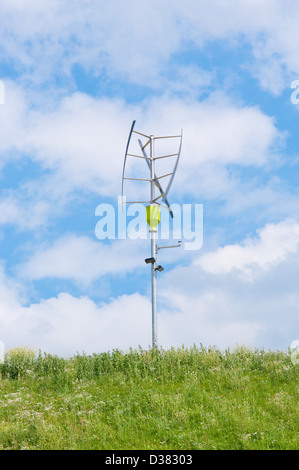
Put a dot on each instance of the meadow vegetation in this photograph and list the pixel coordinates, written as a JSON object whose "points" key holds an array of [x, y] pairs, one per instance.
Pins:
{"points": [[185, 398]]}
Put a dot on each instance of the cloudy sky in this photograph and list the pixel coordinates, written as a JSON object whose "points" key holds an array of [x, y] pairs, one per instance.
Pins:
{"points": [[76, 74]]}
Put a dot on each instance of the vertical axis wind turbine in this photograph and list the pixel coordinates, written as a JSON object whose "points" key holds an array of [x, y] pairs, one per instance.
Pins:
{"points": [[153, 209]]}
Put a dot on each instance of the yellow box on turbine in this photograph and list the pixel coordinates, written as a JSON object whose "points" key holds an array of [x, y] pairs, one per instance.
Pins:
{"points": [[153, 216]]}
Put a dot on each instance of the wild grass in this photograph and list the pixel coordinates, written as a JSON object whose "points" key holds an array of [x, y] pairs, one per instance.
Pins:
{"points": [[185, 398]]}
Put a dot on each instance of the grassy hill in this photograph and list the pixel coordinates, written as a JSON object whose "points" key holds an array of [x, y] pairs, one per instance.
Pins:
{"points": [[183, 398]]}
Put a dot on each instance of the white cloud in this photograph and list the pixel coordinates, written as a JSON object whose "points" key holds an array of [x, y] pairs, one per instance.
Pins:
{"points": [[26, 214], [92, 34], [274, 244], [272, 200], [227, 300], [82, 260], [83, 134], [67, 324], [244, 134], [195, 316], [12, 119], [208, 302], [270, 73], [43, 40], [81, 140]]}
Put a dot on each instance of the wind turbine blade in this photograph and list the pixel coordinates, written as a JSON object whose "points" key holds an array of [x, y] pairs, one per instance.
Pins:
{"points": [[125, 159], [175, 166], [164, 198]]}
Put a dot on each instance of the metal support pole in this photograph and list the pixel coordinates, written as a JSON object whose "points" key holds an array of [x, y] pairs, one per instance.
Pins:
{"points": [[154, 290], [153, 251]]}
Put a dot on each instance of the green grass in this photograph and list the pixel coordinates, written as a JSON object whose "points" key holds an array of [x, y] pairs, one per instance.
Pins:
{"points": [[177, 399]]}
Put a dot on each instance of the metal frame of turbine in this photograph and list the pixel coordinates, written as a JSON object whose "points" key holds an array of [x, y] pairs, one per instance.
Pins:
{"points": [[153, 209]]}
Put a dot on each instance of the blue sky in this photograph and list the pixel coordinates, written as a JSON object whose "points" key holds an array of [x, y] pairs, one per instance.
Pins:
{"points": [[75, 79]]}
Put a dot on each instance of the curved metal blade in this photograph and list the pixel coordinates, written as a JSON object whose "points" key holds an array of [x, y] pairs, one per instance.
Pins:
{"points": [[125, 159], [175, 167], [156, 181]]}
